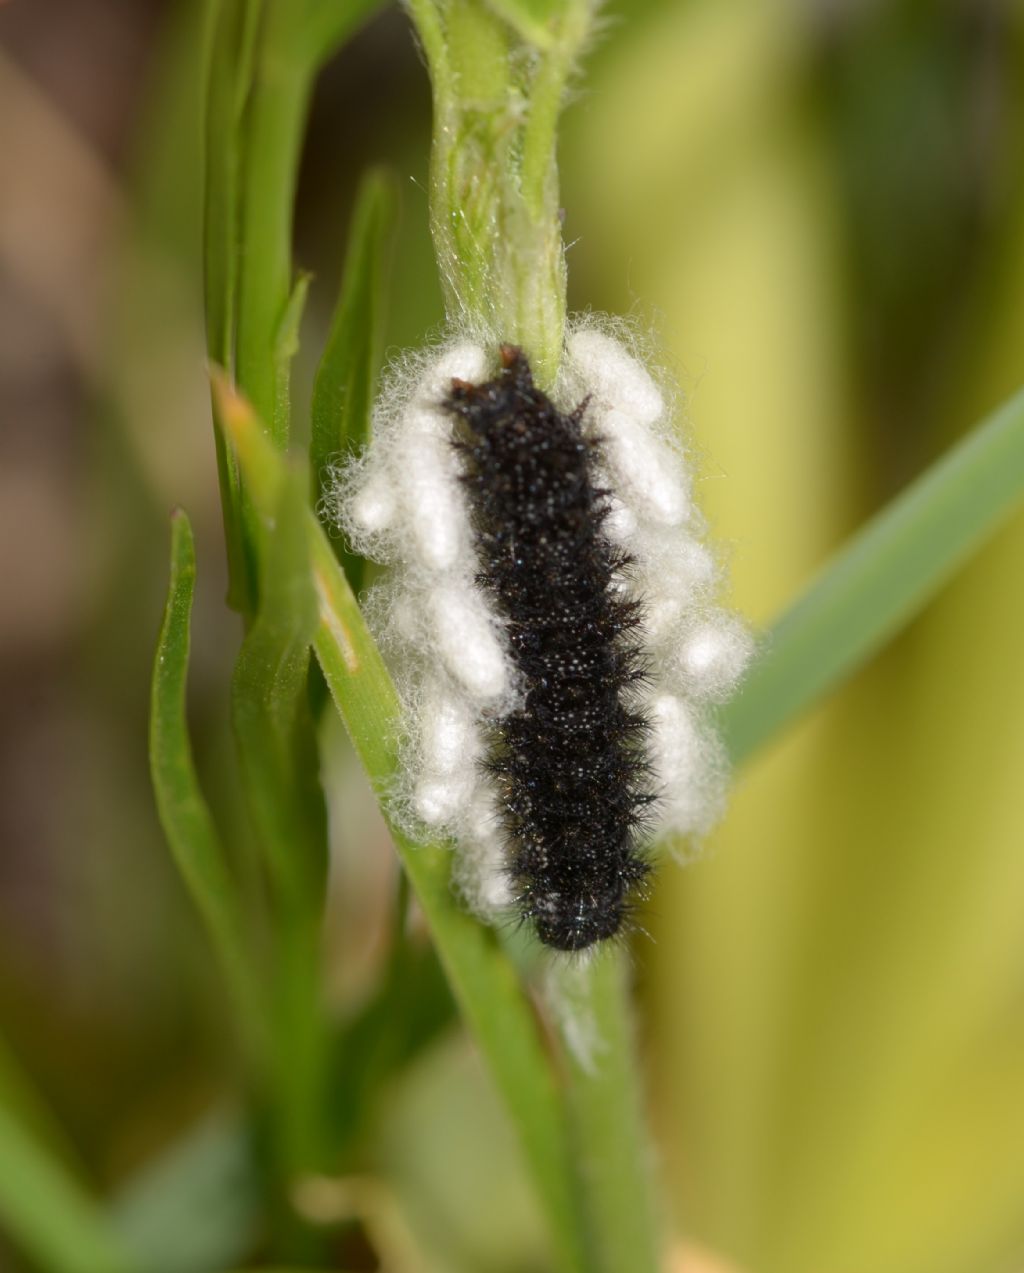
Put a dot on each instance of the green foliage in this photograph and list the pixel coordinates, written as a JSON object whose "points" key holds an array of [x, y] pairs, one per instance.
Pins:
{"points": [[264, 59], [494, 215], [347, 374], [882, 578], [277, 750], [602, 1099], [307, 1101], [184, 813], [47, 1211]]}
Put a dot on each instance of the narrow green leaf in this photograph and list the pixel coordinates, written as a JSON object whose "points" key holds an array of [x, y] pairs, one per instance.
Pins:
{"points": [[257, 102], [18, 1094], [278, 752], [233, 25], [273, 128], [882, 578], [229, 70], [269, 708], [286, 346], [46, 1211], [277, 748], [483, 980], [184, 814], [345, 380]]}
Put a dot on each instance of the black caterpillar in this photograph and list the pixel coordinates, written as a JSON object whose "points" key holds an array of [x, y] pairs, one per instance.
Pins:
{"points": [[570, 763]]}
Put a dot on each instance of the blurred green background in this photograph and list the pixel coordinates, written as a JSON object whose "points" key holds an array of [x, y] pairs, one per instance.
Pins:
{"points": [[818, 205]]}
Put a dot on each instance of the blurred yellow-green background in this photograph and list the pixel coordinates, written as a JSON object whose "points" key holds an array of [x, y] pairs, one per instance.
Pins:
{"points": [[818, 205]]}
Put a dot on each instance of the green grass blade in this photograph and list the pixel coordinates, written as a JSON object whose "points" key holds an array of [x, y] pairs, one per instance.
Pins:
{"points": [[229, 73], [270, 713], [483, 980], [347, 375], [184, 814], [47, 1213], [252, 179], [233, 26], [882, 578], [19, 1095], [258, 91], [286, 346], [272, 131]]}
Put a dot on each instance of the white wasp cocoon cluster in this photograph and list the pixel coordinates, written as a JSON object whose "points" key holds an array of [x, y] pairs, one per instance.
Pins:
{"points": [[403, 503]]}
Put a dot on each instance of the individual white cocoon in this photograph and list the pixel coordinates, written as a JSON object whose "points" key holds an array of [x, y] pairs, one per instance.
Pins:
{"points": [[467, 641], [713, 656], [663, 616], [449, 738], [686, 766], [464, 361], [481, 874], [650, 473], [432, 502], [481, 878], [614, 377], [621, 522], [439, 798], [670, 563], [372, 508]]}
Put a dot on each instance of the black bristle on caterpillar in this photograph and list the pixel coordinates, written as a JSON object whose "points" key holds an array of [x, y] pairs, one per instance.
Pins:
{"points": [[570, 762]]}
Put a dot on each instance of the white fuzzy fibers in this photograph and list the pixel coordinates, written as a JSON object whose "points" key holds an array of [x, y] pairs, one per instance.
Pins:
{"points": [[403, 504]]}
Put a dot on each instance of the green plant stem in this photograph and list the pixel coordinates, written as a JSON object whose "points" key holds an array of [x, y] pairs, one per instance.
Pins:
{"points": [[482, 979], [887, 572], [592, 1003], [497, 236], [494, 184], [538, 171]]}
